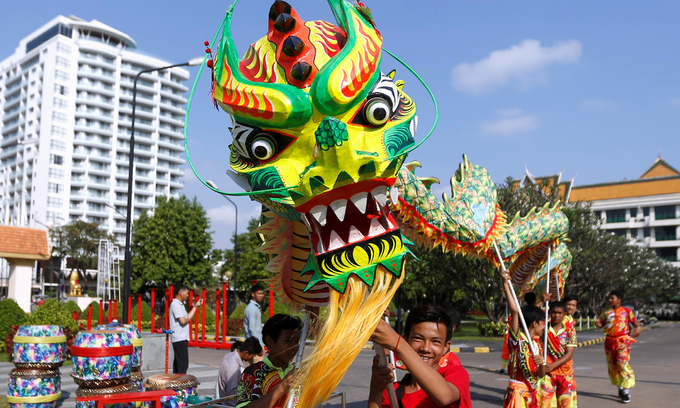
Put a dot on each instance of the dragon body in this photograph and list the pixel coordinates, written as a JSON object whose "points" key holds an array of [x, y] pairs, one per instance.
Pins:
{"points": [[323, 134]]}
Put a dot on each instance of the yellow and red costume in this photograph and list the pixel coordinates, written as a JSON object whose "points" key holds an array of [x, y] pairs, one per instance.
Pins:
{"points": [[616, 324], [559, 382], [523, 372]]}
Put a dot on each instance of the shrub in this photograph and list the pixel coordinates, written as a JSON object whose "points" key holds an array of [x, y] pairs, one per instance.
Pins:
{"points": [[491, 329], [71, 307], [12, 315], [235, 327], [279, 307], [146, 312], [238, 313], [52, 313], [95, 314]]}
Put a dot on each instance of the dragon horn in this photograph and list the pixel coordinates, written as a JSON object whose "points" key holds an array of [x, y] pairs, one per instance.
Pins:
{"points": [[255, 103], [350, 74]]}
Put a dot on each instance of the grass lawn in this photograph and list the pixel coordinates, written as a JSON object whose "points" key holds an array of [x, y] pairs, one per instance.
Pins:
{"points": [[469, 332], [3, 402]]}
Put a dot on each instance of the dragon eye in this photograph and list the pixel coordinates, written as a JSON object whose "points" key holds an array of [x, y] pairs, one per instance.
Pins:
{"points": [[263, 147], [377, 111]]}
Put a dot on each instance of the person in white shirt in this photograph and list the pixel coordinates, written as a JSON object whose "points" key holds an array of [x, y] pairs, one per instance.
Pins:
{"points": [[233, 365], [179, 325], [252, 316]]}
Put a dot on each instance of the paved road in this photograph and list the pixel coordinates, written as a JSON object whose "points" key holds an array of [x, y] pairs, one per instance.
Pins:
{"points": [[654, 359]]}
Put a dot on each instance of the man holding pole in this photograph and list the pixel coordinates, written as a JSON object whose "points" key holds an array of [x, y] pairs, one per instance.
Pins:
{"points": [[561, 345], [525, 365], [616, 322], [179, 325]]}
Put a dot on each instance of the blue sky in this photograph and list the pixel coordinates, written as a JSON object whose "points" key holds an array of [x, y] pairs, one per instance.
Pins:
{"points": [[588, 88]]}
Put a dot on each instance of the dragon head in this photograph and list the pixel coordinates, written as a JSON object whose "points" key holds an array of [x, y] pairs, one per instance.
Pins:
{"points": [[316, 119]]}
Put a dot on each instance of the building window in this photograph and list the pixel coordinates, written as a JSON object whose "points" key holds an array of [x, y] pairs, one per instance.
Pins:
{"points": [[645, 211], [94, 207], [60, 103], [57, 145], [634, 233], [58, 131], [669, 254], [61, 89], [55, 188], [616, 216], [665, 233], [62, 76], [633, 212], [63, 48], [59, 117], [619, 232], [63, 62], [666, 212], [60, 28], [647, 232], [54, 202], [54, 216], [56, 159], [598, 215], [56, 174]]}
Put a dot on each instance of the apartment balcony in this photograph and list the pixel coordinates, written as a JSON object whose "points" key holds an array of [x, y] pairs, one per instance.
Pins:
{"points": [[96, 75], [98, 61]]}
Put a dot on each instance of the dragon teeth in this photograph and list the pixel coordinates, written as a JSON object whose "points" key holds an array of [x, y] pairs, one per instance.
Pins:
{"points": [[335, 241], [376, 228], [319, 213], [360, 200], [380, 195], [394, 195], [339, 207], [354, 234]]}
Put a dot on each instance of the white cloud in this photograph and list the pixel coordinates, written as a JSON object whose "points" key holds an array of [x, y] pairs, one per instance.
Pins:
{"points": [[598, 105], [524, 62], [510, 122]]}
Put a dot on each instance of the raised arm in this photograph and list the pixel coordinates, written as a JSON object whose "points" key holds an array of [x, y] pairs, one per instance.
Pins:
{"points": [[186, 319], [512, 306]]}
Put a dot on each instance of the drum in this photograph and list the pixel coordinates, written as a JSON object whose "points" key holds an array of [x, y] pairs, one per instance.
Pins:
{"points": [[39, 347], [185, 385], [118, 389], [31, 388], [135, 338], [137, 379], [101, 358]]}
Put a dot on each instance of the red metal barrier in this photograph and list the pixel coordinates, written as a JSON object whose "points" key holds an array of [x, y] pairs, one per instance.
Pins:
{"points": [[75, 316], [203, 317], [153, 308], [139, 312], [129, 316], [110, 310], [167, 293], [101, 312], [115, 309], [89, 317], [271, 301], [224, 312], [217, 315]]}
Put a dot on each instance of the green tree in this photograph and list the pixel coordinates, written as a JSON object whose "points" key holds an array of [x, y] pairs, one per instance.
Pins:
{"points": [[172, 245], [79, 241], [251, 264]]}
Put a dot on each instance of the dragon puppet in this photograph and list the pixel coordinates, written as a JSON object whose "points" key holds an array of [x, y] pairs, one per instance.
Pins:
{"points": [[320, 138]]}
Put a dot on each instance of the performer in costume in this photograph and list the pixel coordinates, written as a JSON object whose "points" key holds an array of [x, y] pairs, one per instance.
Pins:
{"points": [[616, 322], [524, 369], [265, 384], [571, 304], [561, 345]]}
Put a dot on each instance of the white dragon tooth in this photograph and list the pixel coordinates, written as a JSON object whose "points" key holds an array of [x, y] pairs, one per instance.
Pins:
{"points": [[394, 195], [360, 200], [319, 213], [376, 228], [339, 207], [354, 234], [319, 248], [335, 241], [380, 195]]}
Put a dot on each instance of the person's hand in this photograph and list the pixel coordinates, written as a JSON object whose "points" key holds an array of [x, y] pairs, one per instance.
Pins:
{"points": [[538, 359], [385, 335], [288, 379], [198, 304], [549, 367], [553, 297], [545, 296], [505, 275], [381, 377], [636, 331], [598, 324]]}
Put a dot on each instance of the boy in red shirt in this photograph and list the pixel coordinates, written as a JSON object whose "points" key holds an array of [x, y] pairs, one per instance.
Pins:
{"points": [[428, 385], [561, 345], [525, 370], [616, 322]]}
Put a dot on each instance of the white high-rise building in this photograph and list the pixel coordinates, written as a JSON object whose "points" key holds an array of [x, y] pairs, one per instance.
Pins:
{"points": [[65, 116]]}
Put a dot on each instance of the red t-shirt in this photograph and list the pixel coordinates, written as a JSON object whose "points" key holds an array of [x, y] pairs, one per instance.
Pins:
{"points": [[453, 373]]}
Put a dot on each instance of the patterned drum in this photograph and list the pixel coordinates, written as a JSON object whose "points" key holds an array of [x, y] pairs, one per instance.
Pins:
{"points": [[41, 347], [101, 358], [185, 385], [31, 388], [137, 379], [118, 389], [135, 338]]}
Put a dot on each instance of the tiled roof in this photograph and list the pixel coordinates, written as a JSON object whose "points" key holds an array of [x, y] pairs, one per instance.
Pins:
{"points": [[23, 243]]}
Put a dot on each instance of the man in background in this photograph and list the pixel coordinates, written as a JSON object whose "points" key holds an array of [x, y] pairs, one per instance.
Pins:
{"points": [[179, 325], [252, 317]]}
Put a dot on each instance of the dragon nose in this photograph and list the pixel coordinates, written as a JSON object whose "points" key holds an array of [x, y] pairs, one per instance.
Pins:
{"points": [[331, 133]]}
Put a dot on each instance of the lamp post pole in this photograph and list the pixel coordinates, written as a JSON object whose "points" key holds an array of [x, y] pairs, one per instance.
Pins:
{"points": [[213, 185], [127, 274]]}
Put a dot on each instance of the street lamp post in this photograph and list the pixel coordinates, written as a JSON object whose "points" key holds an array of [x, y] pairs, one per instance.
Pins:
{"points": [[213, 185], [127, 276]]}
